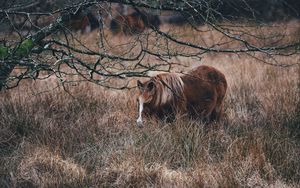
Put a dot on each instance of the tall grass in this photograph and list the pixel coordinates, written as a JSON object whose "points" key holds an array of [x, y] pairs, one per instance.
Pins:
{"points": [[89, 138]]}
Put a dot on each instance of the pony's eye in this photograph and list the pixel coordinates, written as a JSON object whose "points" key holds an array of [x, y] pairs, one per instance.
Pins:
{"points": [[150, 86]]}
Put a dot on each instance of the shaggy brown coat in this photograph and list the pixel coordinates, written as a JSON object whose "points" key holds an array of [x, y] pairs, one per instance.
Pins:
{"points": [[199, 94]]}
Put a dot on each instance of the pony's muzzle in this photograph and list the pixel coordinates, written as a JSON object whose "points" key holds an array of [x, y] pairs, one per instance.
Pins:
{"points": [[139, 122]]}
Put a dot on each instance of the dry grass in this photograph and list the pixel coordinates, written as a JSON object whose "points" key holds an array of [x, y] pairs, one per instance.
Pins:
{"points": [[52, 139]]}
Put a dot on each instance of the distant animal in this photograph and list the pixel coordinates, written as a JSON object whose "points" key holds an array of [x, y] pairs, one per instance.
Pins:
{"points": [[79, 24], [199, 94], [134, 23], [83, 21]]}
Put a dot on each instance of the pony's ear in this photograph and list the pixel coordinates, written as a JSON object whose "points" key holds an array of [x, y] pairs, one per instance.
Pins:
{"points": [[139, 84], [151, 86]]}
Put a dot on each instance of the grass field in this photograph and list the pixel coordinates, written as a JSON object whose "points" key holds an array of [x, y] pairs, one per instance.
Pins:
{"points": [[89, 138]]}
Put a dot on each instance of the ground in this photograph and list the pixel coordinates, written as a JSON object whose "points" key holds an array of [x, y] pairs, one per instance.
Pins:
{"points": [[88, 137]]}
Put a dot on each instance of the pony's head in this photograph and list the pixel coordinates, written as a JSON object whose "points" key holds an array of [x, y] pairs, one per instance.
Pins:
{"points": [[159, 91], [146, 92]]}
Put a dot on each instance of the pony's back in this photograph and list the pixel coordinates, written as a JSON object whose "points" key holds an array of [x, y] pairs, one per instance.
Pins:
{"points": [[205, 89]]}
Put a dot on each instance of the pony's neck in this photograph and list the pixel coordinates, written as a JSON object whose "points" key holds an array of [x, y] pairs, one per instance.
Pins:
{"points": [[169, 89]]}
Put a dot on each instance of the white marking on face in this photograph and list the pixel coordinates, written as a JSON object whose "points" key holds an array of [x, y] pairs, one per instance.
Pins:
{"points": [[139, 121]]}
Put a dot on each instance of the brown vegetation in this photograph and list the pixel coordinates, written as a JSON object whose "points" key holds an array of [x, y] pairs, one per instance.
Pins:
{"points": [[88, 137], [53, 139]]}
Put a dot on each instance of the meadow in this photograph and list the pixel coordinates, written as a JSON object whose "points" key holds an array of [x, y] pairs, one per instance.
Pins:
{"points": [[89, 138]]}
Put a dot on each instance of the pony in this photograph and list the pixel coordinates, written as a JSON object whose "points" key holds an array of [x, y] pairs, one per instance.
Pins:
{"points": [[83, 21], [79, 24], [134, 23], [198, 94]]}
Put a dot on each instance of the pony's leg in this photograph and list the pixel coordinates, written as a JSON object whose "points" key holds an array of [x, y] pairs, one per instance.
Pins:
{"points": [[207, 115], [217, 113], [213, 115]]}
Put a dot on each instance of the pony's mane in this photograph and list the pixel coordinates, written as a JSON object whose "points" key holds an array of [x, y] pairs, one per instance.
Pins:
{"points": [[170, 88]]}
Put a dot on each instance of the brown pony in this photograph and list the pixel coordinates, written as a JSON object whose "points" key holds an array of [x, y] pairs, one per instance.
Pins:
{"points": [[79, 24], [83, 21], [199, 94]]}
